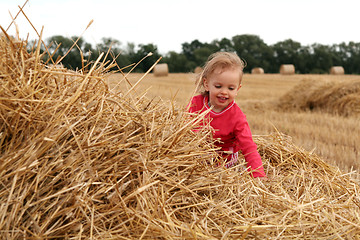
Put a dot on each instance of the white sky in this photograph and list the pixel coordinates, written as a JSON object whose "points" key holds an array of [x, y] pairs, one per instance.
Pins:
{"points": [[169, 23]]}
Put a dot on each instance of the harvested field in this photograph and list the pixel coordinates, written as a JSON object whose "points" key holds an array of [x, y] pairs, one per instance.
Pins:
{"points": [[271, 101], [82, 158]]}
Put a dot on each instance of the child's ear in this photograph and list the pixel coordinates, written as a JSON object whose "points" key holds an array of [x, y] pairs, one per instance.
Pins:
{"points": [[206, 84]]}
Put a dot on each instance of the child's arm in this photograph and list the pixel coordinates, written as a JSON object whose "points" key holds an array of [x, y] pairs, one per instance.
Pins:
{"points": [[248, 147]]}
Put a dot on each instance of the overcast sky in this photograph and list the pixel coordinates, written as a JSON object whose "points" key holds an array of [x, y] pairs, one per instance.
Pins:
{"points": [[169, 23]]}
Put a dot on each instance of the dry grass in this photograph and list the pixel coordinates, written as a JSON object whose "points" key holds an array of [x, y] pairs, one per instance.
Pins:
{"points": [[80, 159], [334, 97], [321, 130]]}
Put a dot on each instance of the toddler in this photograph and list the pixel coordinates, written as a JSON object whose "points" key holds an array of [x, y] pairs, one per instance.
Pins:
{"points": [[219, 84]]}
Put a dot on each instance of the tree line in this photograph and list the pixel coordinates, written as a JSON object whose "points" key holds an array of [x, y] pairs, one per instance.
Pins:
{"points": [[313, 59]]}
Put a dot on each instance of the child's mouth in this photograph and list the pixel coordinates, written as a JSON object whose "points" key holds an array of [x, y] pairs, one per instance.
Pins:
{"points": [[222, 99]]}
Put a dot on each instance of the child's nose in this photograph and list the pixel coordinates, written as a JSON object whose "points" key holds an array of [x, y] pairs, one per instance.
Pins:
{"points": [[224, 91]]}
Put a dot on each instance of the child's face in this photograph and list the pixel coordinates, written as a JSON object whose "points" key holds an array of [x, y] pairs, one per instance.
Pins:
{"points": [[222, 87]]}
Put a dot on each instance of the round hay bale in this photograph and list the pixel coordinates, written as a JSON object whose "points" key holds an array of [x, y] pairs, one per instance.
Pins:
{"points": [[337, 70], [257, 70], [287, 69], [161, 70], [198, 70]]}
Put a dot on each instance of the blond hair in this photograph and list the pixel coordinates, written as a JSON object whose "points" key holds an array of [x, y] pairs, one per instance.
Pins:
{"points": [[219, 61]]}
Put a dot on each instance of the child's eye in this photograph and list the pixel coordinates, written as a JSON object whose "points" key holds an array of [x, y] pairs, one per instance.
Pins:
{"points": [[217, 86], [231, 88]]}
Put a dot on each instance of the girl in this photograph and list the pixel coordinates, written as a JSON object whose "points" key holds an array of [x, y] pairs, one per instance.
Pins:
{"points": [[220, 82]]}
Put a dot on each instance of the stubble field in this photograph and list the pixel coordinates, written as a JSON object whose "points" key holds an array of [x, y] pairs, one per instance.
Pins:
{"points": [[83, 159], [332, 136]]}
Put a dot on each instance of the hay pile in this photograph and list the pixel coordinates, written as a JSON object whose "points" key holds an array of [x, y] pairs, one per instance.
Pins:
{"points": [[78, 161], [335, 97]]}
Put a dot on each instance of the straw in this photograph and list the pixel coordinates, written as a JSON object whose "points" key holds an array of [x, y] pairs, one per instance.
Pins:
{"points": [[335, 97], [78, 161]]}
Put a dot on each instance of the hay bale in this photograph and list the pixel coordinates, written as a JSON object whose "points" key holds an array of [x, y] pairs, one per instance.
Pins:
{"points": [[257, 70], [161, 70], [198, 70], [337, 70], [287, 69]]}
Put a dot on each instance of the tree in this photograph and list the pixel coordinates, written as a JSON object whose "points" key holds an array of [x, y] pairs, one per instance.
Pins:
{"points": [[108, 43], [353, 62], [316, 58], [224, 44], [286, 52], [202, 54], [59, 46], [177, 62], [111, 49], [321, 58], [143, 51], [189, 48], [348, 56], [304, 60], [253, 50]]}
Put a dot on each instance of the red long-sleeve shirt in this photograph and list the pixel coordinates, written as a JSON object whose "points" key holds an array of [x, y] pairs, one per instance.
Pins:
{"points": [[232, 128]]}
